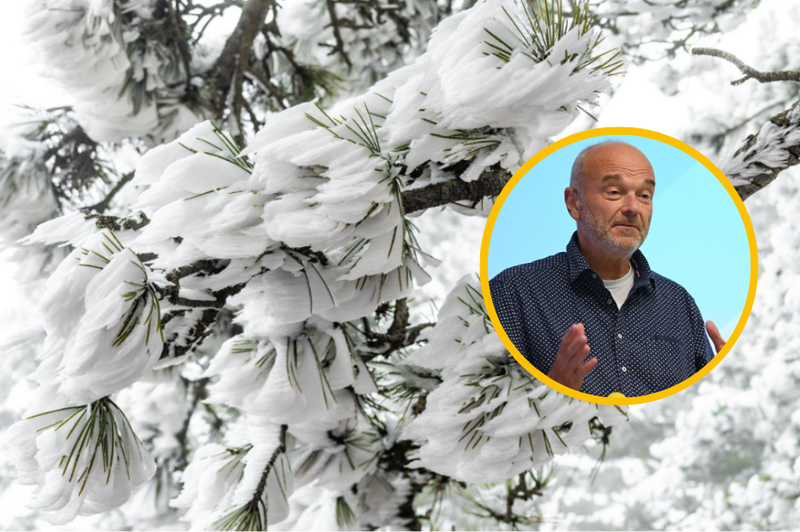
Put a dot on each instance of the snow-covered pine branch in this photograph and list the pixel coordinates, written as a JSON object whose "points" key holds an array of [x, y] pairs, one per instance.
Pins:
{"points": [[761, 157], [489, 420], [305, 233], [83, 459]]}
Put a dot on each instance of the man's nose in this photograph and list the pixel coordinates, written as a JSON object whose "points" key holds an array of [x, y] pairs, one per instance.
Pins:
{"points": [[630, 205]]}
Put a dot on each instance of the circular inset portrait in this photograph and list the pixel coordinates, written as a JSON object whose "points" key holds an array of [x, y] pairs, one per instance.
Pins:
{"points": [[619, 265]]}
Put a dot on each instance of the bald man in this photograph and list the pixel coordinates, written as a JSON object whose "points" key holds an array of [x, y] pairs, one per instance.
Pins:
{"points": [[596, 318]]}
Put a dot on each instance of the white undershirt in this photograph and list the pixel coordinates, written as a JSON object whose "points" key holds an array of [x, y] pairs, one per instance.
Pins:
{"points": [[620, 288]]}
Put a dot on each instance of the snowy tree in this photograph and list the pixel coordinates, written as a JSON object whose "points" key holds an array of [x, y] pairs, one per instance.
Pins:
{"points": [[237, 220]]}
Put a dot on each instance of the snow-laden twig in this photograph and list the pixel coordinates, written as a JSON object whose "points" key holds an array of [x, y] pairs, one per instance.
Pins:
{"points": [[761, 157]]}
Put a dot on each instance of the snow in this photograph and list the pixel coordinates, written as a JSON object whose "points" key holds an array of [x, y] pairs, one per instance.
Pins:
{"points": [[488, 420]]}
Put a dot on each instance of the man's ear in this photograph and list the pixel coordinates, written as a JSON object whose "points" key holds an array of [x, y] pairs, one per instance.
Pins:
{"points": [[573, 202]]}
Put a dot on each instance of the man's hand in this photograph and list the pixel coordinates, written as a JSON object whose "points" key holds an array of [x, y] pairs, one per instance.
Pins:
{"points": [[567, 368], [716, 337]]}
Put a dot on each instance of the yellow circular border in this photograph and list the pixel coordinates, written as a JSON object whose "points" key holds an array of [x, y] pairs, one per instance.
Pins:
{"points": [[602, 132]]}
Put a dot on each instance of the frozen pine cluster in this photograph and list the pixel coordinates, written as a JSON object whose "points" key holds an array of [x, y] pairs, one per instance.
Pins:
{"points": [[489, 420], [760, 157]]}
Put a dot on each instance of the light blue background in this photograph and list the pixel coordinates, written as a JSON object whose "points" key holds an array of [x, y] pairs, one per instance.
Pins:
{"points": [[696, 238]]}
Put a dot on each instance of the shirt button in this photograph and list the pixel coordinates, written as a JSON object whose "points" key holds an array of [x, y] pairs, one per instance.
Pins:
{"points": [[594, 276], [619, 335], [624, 369], [608, 301]]}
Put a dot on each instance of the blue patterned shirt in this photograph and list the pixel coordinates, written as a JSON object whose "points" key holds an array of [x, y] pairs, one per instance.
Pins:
{"points": [[656, 340]]}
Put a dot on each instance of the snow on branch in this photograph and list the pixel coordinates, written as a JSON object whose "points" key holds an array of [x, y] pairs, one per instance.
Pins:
{"points": [[489, 184], [489, 420], [83, 459], [761, 157]]}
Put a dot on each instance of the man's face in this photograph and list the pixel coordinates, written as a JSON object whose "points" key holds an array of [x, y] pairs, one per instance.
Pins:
{"points": [[617, 202]]}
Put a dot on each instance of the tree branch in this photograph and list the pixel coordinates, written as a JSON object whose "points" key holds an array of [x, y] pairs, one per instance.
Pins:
{"points": [[203, 267], [235, 57], [199, 393], [762, 156], [749, 72], [399, 335], [101, 206], [339, 47], [490, 183], [115, 223], [178, 25]]}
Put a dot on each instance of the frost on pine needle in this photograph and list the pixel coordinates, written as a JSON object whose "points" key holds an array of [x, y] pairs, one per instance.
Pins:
{"points": [[489, 420], [543, 29], [199, 183], [209, 481], [373, 504], [103, 321], [239, 488], [70, 229], [336, 455], [83, 459], [302, 379]]}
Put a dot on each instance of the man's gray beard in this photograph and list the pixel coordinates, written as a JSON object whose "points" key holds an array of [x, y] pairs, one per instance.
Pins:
{"points": [[601, 235]]}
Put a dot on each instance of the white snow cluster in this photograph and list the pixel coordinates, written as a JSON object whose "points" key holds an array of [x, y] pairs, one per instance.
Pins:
{"points": [[83, 460], [769, 151], [374, 505], [102, 321], [221, 481], [489, 420], [459, 101], [304, 380], [85, 46]]}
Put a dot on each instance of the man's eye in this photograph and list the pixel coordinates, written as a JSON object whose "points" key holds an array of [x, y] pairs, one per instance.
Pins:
{"points": [[613, 192]]}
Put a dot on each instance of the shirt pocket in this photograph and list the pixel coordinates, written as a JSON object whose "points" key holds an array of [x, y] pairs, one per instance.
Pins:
{"points": [[665, 365]]}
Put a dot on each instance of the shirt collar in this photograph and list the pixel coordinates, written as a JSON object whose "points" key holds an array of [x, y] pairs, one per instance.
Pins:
{"points": [[578, 265]]}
